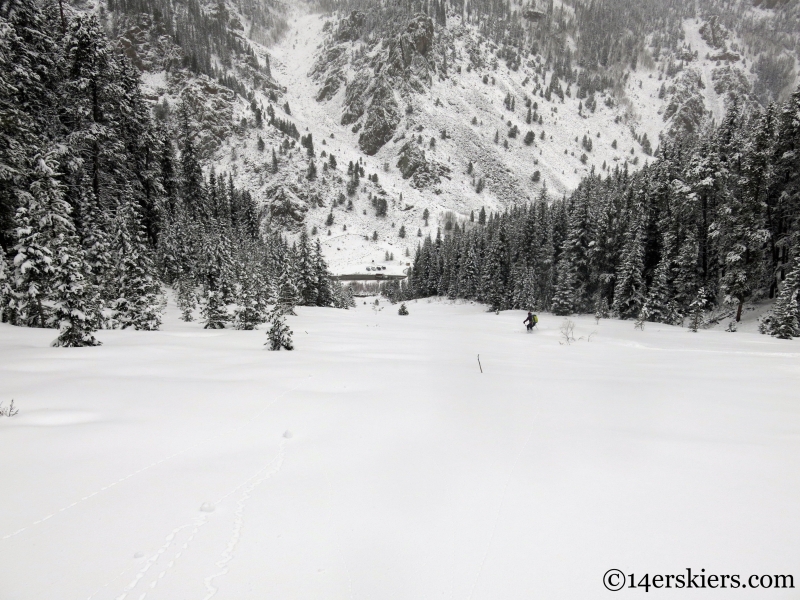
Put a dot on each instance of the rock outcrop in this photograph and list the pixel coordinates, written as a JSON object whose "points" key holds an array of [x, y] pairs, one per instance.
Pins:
{"points": [[349, 29], [383, 116], [285, 207], [686, 106], [422, 172], [385, 72]]}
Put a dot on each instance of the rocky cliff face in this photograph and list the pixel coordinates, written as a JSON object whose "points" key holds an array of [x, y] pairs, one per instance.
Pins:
{"points": [[383, 116], [685, 105], [407, 57], [382, 75], [414, 165], [285, 207]]}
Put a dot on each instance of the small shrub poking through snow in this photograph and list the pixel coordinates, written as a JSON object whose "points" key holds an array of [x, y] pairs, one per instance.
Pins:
{"points": [[11, 410], [403, 310], [567, 332]]}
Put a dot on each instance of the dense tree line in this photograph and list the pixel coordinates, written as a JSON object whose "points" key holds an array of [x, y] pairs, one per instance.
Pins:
{"points": [[99, 209], [713, 222]]}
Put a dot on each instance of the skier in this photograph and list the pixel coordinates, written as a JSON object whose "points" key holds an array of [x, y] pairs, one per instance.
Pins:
{"points": [[531, 321]]}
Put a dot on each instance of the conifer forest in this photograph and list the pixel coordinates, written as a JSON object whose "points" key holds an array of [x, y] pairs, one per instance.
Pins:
{"points": [[101, 209], [711, 223]]}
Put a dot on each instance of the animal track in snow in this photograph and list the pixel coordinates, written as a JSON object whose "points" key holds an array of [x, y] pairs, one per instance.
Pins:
{"points": [[206, 508], [247, 422], [238, 523], [170, 539]]}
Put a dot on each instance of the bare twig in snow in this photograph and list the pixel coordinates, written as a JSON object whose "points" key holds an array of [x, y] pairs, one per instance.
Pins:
{"points": [[8, 411], [567, 332]]}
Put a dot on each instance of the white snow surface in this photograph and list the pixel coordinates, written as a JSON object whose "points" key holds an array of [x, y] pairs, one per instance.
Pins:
{"points": [[377, 461]]}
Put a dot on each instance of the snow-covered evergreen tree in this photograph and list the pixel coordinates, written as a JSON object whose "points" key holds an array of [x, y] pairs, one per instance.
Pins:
{"points": [[468, 275], [44, 233], [322, 278], [565, 299], [51, 288], [31, 78], [601, 309], [697, 309], [660, 305], [214, 310], [279, 336], [629, 293], [288, 294], [6, 289], [186, 297], [306, 272], [250, 305], [75, 302], [740, 230], [137, 300], [98, 239], [495, 273], [192, 192], [217, 267], [785, 321]]}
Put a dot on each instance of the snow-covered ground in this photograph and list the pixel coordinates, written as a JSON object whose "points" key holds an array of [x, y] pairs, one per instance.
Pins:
{"points": [[377, 461]]}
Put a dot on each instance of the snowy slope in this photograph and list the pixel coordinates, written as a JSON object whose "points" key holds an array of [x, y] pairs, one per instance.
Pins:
{"points": [[461, 97], [451, 104], [377, 461]]}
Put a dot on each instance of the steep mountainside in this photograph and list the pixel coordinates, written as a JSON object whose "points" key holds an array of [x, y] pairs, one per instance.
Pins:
{"points": [[363, 118]]}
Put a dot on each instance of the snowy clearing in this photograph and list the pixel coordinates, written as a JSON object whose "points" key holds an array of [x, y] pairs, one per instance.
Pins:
{"points": [[377, 461]]}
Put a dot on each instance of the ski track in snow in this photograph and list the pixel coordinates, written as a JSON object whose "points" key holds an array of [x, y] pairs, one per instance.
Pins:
{"points": [[500, 509], [265, 473], [148, 467]]}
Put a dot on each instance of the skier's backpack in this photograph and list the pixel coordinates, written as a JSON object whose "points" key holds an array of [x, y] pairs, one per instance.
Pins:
{"points": [[535, 319]]}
